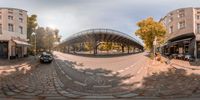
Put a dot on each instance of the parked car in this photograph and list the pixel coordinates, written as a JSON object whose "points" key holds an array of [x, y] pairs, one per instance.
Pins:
{"points": [[46, 57]]}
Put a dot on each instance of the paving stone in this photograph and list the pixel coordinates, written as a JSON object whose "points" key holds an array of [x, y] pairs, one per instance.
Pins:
{"points": [[98, 97]]}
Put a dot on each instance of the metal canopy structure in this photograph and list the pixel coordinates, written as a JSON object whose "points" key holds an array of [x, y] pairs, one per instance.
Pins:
{"points": [[96, 36]]}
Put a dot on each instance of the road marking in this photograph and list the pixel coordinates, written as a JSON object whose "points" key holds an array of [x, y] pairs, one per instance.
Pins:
{"points": [[127, 68], [68, 77], [80, 70], [132, 77], [114, 73], [102, 74], [59, 68], [62, 71], [126, 81], [120, 71], [139, 70], [102, 86], [79, 83], [89, 73], [111, 80]]}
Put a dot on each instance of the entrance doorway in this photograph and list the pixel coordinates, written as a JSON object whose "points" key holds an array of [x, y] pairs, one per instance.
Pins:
{"points": [[19, 51], [3, 49], [198, 49]]}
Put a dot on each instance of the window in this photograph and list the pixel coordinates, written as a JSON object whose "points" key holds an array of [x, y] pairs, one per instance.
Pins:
{"points": [[10, 27], [10, 17], [180, 10], [20, 14], [171, 29], [171, 19], [170, 14], [180, 15], [10, 11], [21, 20], [21, 29], [181, 25], [198, 16], [198, 28], [20, 11], [0, 28]]}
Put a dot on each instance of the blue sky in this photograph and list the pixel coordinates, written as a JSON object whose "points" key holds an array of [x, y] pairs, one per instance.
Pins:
{"points": [[71, 16]]}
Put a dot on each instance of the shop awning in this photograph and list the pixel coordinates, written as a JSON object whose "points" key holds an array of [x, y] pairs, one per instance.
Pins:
{"points": [[182, 40], [178, 41], [21, 43]]}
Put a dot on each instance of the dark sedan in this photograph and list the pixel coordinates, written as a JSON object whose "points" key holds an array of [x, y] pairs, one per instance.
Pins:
{"points": [[46, 58]]}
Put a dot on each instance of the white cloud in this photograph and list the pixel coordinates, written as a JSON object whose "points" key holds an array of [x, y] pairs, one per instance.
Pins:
{"points": [[71, 16]]}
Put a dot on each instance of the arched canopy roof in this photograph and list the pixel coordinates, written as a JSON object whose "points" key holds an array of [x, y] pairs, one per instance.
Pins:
{"points": [[102, 35]]}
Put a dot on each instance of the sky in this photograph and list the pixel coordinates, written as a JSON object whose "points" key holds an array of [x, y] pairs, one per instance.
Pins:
{"points": [[72, 16]]}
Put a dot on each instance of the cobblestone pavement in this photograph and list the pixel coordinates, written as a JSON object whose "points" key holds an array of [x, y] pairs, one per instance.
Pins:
{"points": [[63, 80], [7, 64], [60, 80], [37, 83], [111, 81]]}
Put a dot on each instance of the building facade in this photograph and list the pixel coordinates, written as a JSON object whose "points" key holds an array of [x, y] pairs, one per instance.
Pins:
{"points": [[183, 32], [13, 33]]}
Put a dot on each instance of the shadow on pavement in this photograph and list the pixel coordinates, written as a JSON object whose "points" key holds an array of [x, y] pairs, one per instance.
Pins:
{"points": [[172, 83], [17, 61], [94, 81], [102, 55], [197, 63]]}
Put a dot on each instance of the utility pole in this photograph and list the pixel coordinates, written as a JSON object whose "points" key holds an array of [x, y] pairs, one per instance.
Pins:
{"points": [[154, 48], [35, 44]]}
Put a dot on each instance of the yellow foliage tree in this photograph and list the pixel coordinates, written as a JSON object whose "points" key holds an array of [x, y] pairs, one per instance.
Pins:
{"points": [[148, 30]]}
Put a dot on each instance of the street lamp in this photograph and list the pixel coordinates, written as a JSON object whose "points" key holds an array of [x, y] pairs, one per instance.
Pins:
{"points": [[35, 43]]}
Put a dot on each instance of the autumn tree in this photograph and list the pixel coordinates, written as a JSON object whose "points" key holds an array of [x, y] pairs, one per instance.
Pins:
{"points": [[31, 25], [88, 46], [149, 30], [46, 38]]}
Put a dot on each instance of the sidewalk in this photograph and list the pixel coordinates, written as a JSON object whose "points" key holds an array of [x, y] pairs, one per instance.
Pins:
{"points": [[185, 64], [6, 64], [16, 65], [171, 81]]}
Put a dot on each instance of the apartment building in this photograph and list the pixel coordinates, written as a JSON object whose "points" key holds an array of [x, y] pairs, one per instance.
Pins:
{"points": [[183, 32], [13, 33]]}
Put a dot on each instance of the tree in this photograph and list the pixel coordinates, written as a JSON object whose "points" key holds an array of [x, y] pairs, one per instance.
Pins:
{"points": [[45, 38], [148, 30], [88, 46], [31, 25]]}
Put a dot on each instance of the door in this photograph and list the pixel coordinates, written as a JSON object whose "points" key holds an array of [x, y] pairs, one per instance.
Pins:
{"points": [[3, 49], [198, 49]]}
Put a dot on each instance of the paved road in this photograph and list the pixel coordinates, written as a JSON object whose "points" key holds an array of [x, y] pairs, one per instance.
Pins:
{"points": [[100, 76], [71, 76]]}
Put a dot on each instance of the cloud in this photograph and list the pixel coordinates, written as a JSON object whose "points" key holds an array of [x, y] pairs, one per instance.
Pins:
{"points": [[71, 16]]}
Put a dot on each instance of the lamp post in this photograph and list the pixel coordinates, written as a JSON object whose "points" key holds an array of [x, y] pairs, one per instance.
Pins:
{"points": [[35, 44]]}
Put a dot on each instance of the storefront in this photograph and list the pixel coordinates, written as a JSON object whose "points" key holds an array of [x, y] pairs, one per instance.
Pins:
{"points": [[18, 48], [180, 47]]}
